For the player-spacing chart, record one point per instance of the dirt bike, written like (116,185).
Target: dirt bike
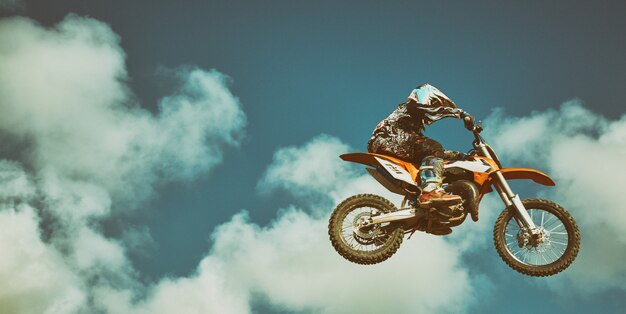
(536,237)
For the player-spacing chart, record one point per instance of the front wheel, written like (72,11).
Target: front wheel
(364,245)
(550,252)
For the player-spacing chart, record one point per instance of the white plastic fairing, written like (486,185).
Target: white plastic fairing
(396,171)
(473,166)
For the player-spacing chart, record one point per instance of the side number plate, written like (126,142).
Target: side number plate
(396,171)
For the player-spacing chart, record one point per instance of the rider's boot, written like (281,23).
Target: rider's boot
(439,197)
(431,175)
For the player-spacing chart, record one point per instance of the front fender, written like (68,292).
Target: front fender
(518,173)
(527,173)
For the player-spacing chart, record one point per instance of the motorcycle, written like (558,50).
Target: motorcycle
(535,237)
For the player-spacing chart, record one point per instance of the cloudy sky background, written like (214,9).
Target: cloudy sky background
(168,157)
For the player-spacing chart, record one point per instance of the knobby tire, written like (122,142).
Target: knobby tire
(385,251)
(571,251)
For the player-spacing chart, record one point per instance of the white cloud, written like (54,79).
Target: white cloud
(201,111)
(295,266)
(312,167)
(34,277)
(585,153)
(314,172)
(291,263)
(14,183)
(63,95)
(87,146)
(64,91)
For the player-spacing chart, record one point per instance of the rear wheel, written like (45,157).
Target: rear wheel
(370,245)
(547,254)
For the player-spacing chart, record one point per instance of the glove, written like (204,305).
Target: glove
(454,155)
(463,156)
(468,119)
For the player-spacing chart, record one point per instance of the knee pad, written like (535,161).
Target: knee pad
(431,170)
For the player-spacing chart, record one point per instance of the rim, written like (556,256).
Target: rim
(554,244)
(363,241)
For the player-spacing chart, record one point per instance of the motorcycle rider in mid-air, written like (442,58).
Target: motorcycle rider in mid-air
(400,135)
(534,236)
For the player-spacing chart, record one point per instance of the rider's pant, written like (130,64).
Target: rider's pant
(415,149)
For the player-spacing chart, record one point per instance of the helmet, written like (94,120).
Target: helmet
(429,96)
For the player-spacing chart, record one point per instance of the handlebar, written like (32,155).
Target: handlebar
(469,124)
(474,128)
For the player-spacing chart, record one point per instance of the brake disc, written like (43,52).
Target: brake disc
(365,235)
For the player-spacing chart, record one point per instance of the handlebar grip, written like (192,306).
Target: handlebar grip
(469,123)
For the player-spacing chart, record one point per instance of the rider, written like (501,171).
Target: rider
(400,135)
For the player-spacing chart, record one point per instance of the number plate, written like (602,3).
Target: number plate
(396,171)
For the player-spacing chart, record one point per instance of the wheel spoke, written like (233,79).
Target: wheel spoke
(560,225)
(554,222)
(557,253)
(351,241)
(551,250)
(544,259)
(558,242)
(512,225)
(556,232)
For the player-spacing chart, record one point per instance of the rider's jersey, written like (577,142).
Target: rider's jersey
(397,133)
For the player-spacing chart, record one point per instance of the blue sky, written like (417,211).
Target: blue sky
(295,70)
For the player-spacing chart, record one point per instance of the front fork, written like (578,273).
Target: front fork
(512,201)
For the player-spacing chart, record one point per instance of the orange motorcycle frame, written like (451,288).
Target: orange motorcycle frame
(482,179)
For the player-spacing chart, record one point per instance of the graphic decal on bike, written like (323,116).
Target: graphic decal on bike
(474,166)
(396,171)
